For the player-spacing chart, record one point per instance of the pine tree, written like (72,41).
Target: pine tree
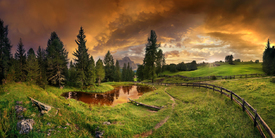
(159,62)
(139,73)
(41,59)
(100,73)
(91,72)
(5,51)
(82,59)
(109,67)
(20,56)
(124,73)
(151,56)
(32,67)
(117,72)
(57,59)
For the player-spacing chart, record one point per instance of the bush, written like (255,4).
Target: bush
(272,80)
(256,61)
(213,77)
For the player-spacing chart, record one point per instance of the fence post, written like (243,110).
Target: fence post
(255,119)
(243,105)
(213,87)
(231,95)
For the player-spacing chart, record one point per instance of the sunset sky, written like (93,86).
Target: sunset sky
(201,30)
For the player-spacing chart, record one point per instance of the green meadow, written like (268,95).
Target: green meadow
(224,69)
(196,113)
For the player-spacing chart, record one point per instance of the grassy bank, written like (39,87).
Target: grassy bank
(198,113)
(258,92)
(224,69)
(204,113)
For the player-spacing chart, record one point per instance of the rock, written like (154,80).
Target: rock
(25,126)
(19,109)
(19,102)
(98,134)
(106,123)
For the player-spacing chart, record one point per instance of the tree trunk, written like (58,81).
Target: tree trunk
(99,82)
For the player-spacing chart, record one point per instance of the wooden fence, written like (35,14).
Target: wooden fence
(221,77)
(252,113)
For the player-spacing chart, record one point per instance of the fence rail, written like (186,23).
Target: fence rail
(222,77)
(252,113)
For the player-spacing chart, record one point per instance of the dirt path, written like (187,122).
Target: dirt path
(162,122)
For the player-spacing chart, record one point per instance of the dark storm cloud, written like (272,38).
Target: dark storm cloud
(241,26)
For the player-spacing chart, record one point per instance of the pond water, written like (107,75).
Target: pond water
(111,98)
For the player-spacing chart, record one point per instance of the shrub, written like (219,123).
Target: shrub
(272,80)
(213,77)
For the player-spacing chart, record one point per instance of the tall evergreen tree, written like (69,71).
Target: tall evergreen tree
(91,72)
(5,51)
(109,67)
(57,59)
(139,73)
(151,56)
(20,56)
(268,59)
(117,72)
(32,67)
(159,62)
(82,60)
(41,59)
(100,73)
(72,75)
(124,73)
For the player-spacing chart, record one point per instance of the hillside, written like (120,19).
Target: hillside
(195,112)
(224,69)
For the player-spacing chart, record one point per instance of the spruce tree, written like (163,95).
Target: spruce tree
(124,73)
(151,56)
(82,60)
(159,62)
(57,59)
(109,67)
(41,59)
(100,73)
(20,56)
(32,67)
(91,72)
(5,51)
(72,75)
(139,73)
(117,72)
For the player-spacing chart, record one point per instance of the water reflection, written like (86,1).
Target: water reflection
(111,98)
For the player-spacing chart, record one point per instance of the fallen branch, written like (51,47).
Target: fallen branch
(43,107)
(150,106)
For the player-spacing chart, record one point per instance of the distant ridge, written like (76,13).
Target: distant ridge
(127,60)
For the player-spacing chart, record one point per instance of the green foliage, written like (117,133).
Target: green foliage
(83,64)
(109,67)
(173,68)
(117,72)
(257,61)
(159,61)
(100,73)
(229,59)
(150,57)
(140,76)
(20,56)
(5,51)
(268,60)
(32,67)
(41,59)
(181,67)
(127,73)
(56,60)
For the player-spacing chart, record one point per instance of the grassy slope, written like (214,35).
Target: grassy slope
(258,92)
(203,113)
(223,70)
